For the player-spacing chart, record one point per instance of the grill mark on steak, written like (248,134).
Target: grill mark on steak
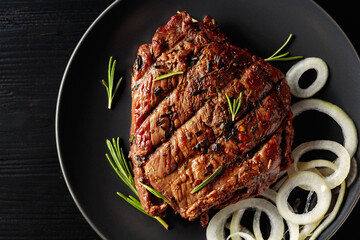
(182,126)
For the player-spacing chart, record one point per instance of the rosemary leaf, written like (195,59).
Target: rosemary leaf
(282,47)
(276,57)
(162,222)
(286,59)
(105,84)
(238,104)
(229,102)
(206,181)
(116,88)
(136,204)
(167,75)
(154,192)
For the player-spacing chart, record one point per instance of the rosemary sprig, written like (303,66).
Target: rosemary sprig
(234,106)
(167,75)
(110,85)
(282,57)
(124,171)
(154,192)
(206,181)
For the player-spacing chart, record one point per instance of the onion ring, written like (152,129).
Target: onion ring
(298,69)
(317,184)
(345,122)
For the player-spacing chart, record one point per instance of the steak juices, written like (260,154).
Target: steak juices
(182,129)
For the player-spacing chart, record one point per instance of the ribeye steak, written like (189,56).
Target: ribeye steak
(182,127)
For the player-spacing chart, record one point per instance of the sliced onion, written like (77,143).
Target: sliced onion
(317,184)
(345,122)
(333,213)
(297,70)
(215,229)
(341,169)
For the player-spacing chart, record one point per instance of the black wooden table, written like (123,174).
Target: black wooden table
(36,40)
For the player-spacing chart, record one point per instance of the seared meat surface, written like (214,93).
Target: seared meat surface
(182,129)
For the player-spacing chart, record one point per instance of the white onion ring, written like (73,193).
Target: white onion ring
(342,162)
(215,229)
(298,69)
(317,184)
(345,122)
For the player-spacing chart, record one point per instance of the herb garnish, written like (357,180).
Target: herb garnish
(206,181)
(282,57)
(110,85)
(124,171)
(234,106)
(154,192)
(167,75)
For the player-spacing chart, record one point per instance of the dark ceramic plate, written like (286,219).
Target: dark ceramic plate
(83,121)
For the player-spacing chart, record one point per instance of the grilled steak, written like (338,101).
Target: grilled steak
(182,128)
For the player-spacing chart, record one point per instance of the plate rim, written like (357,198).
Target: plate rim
(58,103)
(60,96)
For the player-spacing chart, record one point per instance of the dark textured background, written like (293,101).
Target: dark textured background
(36,40)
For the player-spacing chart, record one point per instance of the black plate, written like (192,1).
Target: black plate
(83,121)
